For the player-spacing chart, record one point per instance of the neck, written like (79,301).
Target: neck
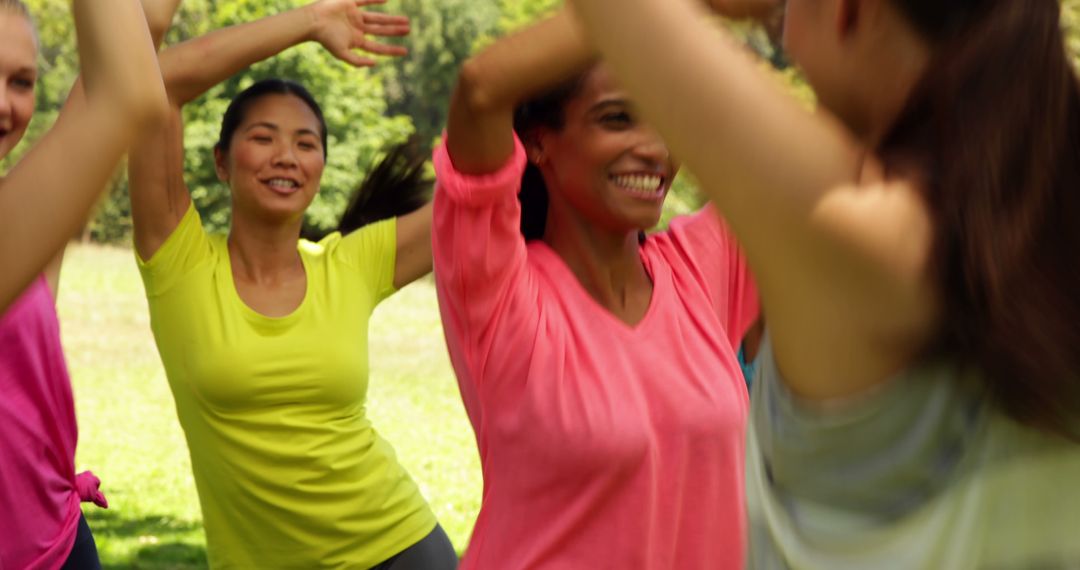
(264,252)
(900,67)
(607,264)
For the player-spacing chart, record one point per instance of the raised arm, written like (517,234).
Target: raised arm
(480,131)
(159,16)
(47,195)
(839,254)
(480,126)
(159,196)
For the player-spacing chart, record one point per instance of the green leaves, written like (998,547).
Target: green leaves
(366,110)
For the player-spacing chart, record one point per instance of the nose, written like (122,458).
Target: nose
(652,148)
(285,156)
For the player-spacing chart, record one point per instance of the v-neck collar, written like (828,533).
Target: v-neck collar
(657,272)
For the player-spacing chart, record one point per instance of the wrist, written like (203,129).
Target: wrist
(312,20)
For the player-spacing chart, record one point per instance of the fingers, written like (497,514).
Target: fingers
(386,31)
(354,59)
(383,49)
(384,19)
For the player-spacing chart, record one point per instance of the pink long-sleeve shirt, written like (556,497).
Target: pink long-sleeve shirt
(602,445)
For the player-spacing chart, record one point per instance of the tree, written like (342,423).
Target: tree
(353,102)
(443,35)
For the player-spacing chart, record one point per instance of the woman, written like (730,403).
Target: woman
(915,243)
(597,364)
(263,335)
(42,525)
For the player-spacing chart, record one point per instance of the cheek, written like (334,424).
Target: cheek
(798,24)
(23,110)
(314,166)
(247,158)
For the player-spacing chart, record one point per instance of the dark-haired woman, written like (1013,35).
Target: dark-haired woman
(916,243)
(264,336)
(597,364)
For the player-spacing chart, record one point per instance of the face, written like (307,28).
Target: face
(828,40)
(18,76)
(275,159)
(605,165)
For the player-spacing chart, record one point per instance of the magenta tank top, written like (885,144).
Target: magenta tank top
(40,502)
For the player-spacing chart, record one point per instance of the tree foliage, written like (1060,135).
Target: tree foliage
(366,110)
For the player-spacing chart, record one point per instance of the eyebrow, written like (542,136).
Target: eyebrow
(274,127)
(605,103)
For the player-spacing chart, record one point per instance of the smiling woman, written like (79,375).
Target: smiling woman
(263,335)
(598,368)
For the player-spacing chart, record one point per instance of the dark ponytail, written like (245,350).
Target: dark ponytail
(543,111)
(995,124)
(397,185)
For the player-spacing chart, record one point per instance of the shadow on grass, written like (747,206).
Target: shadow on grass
(160,541)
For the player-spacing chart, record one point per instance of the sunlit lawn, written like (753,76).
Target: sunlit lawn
(129,435)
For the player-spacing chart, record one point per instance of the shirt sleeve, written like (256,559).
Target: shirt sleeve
(372,250)
(186,248)
(487,295)
(710,250)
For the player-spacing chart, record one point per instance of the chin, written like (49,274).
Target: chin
(280,214)
(644,224)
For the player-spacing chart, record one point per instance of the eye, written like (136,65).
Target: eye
(23,83)
(305,145)
(617,120)
(262,139)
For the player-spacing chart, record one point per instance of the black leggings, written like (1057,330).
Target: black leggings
(433,552)
(84,554)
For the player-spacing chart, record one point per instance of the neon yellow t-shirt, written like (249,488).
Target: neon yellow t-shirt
(289,470)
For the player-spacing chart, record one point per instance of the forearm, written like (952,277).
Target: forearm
(720,113)
(45,198)
(159,16)
(193,67)
(119,68)
(492,83)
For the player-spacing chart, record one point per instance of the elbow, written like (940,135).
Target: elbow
(150,103)
(472,93)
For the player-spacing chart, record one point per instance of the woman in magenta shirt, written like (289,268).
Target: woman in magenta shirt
(41,524)
(597,365)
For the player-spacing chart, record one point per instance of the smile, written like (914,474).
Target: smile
(282,185)
(645,186)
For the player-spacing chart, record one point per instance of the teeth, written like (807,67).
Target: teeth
(640,183)
(282,183)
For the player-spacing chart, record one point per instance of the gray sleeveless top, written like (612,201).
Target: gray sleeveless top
(923,473)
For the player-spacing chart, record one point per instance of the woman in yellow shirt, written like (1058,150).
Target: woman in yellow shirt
(263,336)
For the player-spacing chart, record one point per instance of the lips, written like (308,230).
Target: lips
(282,185)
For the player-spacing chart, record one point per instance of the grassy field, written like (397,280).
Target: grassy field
(129,435)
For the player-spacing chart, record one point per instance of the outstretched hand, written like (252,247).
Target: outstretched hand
(343,28)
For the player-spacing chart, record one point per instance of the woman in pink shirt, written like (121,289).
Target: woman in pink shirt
(41,524)
(597,365)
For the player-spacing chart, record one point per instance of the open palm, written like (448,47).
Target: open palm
(343,28)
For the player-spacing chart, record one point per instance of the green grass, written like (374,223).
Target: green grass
(129,435)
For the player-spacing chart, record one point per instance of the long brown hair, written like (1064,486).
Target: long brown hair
(995,124)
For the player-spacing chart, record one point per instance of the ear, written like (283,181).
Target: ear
(221,165)
(534,147)
(848,17)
